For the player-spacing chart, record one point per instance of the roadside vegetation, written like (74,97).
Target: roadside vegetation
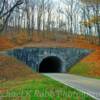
(39,88)
(19,82)
(89,66)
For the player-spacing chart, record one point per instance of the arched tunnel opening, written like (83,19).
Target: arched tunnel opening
(51,64)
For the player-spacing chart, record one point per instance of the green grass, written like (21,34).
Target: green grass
(83,69)
(80,69)
(39,89)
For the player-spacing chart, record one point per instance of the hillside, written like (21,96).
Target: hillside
(6,43)
(89,66)
(11,68)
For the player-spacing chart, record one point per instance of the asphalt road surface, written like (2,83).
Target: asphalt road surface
(87,85)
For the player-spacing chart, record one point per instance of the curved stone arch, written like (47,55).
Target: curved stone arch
(52,55)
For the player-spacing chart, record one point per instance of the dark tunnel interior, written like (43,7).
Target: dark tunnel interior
(50,64)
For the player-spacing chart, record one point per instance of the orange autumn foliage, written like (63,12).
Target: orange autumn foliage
(22,38)
(93,20)
(11,68)
(6,43)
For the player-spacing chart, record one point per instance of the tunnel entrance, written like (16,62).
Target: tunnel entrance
(50,64)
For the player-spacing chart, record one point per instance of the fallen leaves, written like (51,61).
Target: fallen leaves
(5,43)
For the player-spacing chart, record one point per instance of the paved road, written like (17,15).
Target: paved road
(87,85)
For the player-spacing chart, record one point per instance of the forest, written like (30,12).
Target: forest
(24,20)
(55,36)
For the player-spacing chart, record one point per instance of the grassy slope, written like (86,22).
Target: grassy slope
(11,68)
(89,66)
(42,88)
(18,82)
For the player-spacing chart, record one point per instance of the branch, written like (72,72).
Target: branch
(8,13)
(2,7)
(19,2)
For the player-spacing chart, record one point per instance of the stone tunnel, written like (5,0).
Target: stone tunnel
(53,60)
(51,64)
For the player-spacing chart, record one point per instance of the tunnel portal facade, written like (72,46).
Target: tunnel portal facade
(49,59)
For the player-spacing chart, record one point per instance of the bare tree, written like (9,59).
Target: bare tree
(95,5)
(5,14)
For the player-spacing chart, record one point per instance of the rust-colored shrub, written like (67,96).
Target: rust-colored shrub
(5,43)
(22,38)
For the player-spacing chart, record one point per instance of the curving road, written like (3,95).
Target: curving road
(87,85)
